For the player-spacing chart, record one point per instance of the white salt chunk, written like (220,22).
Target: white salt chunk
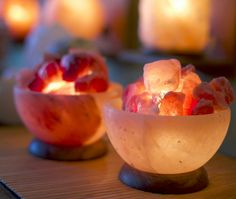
(162,76)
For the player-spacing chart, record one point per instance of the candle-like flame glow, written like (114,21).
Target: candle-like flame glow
(17,13)
(60,87)
(179,6)
(20,16)
(180,9)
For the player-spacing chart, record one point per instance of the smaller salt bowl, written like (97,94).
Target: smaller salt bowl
(60,102)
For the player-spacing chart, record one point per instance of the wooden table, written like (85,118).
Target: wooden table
(35,178)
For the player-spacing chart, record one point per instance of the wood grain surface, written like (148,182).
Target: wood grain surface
(35,178)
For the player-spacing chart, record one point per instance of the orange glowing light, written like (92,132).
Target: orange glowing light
(20,16)
(179,6)
(175,25)
(81,18)
(60,87)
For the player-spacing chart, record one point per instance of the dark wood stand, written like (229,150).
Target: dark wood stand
(164,183)
(53,152)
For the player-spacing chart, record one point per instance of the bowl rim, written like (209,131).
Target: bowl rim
(109,106)
(112,84)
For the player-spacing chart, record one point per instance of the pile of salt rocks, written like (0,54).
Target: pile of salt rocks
(166,88)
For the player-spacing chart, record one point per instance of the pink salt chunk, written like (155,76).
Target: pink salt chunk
(204,91)
(162,76)
(50,71)
(72,66)
(131,90)
(224,91)
(37,84)
(95,62)
(203,106)
(172,104)
(188,69)
(189,81)
(188,103)
(92,83)
(141,103)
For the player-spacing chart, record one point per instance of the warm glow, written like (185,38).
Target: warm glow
(74,5)
(166,88)
(81,18)
(179,5)
(60,87)
(146,142)
(175,25)
(64,120)
(17,13)
(20,16)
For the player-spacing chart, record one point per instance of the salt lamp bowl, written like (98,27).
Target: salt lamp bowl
(165,144)
(64,120)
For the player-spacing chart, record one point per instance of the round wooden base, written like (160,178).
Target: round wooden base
(164,183)
(49,151)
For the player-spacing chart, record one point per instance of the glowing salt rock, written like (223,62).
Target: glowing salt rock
(204,91)
(162,76)
(172,104)
(189,81)
(164,144)
(60,87)
(203,107)
(133,89)
(142,103)
(64,120)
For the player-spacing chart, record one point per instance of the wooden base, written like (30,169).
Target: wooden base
(49,151)
(164,183)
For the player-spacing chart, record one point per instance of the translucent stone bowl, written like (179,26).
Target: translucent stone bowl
(64,120)
(165,144)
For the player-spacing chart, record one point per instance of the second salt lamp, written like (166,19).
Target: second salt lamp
(60,102)
(180,26)
(83,19)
